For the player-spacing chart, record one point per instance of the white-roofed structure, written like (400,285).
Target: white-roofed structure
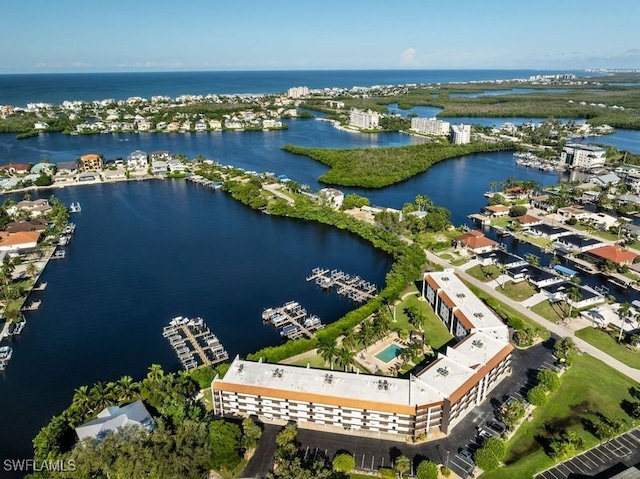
(436,398)
(112,418)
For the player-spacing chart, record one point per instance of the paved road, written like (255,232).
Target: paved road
(262,460)
(557,329)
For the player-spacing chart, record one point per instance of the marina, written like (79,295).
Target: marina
(353,287)
(193,342)
(292,320)
(216,185)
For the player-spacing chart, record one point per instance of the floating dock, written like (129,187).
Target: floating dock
(215,185)
(293,320)
(194,344)
(353,287)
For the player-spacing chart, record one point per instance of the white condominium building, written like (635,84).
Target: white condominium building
(583,156)
(366,120)
(460,134)
(297,92)
(435,399)
(430,126)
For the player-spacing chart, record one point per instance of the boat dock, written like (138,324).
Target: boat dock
(34,305)
(292,320)
(353,287)
(194,344)
(216,185)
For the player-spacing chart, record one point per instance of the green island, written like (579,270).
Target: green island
(380,167)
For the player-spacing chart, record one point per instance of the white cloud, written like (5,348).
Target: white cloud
(408,57)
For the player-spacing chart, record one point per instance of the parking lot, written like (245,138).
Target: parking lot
(622,449)
(371,454)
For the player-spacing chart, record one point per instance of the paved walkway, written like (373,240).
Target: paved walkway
(275,189)
(560,330)
(533,300)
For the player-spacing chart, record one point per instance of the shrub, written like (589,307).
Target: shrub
(344,463)
(427,470)
(387,473)
(488,457)
(517,210)
(537,395)
(445,471)
(548,379)
(572,221)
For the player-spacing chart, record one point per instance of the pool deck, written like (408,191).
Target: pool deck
(367,357)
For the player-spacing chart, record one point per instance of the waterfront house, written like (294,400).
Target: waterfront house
(113,418)
(19,241)
(496,211)
(604,180)
(161,155)
(614,253)
(542,203)
(576,242)
(114,175)
(67,168)
(215,125)
(559,291)
(474,242)
(35,208)
(550,232)
(526,221)
(159,167)
(15,168)
(500,257)
(535,275)
(137,159)
(176,166)
(90,162)
(332,196)
(43,167)
(35,224)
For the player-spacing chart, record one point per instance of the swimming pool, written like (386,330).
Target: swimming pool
(389,353)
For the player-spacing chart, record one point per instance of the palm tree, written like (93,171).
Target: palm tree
(155,373)
(573,296)
(623,314)
(31,269)
(345,357)
(81,399)
(328,349)
(351,340)
(125,388)
(402,465)
(366,333)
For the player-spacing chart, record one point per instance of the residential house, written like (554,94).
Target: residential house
(604,180)
(137,159)
(159,167)
(576,242)
(115,417)
(614,253)
(90,162)
(547,231)
(87,176)
(332,196)
(15,168)
(176,166)
(500,257)
(19,241)
(67,167)
(526,221)
(35,208)
(541,202)
(496,211)
(43,167)
(474,242)
(560,292)
(35,224)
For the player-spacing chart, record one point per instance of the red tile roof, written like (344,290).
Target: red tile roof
(475,239)
(614,253)
(527,219)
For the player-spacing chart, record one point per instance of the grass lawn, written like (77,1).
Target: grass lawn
(596,232)
(446,256)
(484,273)
(501,222)
(436,334)
(605,342)
(517,291)
(459,261)
(554,312)
(316,362)
(564,411)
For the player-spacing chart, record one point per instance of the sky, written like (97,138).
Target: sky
(40,36)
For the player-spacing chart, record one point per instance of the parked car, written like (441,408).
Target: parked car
(496,426)
(484,434)
(465,454)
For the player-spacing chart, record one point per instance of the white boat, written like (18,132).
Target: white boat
(75,207)
(5,353)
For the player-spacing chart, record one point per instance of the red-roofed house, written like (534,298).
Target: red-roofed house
(19,241)
(496,211)
(15,168)
(90,162)
(613,253)
(475,242)
(528,220)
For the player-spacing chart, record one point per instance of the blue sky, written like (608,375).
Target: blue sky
(136,35)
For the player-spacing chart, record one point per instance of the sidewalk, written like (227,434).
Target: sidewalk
(562,331)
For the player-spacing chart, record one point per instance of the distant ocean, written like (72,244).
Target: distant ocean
(20,89)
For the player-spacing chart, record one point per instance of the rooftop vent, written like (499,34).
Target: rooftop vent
(383,384)
(241,368)
(460,295)
(328,378)
(443,372)
(477,343)
(478,315)
(277,373)
(445,278)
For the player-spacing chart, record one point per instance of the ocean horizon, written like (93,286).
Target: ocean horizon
(18,89)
